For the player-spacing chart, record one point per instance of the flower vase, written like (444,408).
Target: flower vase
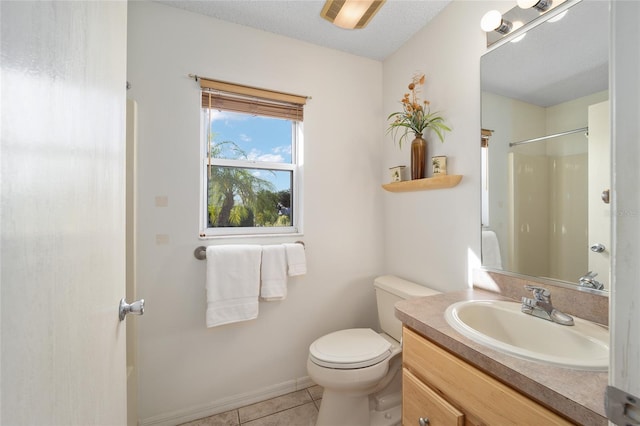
(418,156)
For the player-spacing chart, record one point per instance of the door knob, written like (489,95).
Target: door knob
(597,248)
(136,308)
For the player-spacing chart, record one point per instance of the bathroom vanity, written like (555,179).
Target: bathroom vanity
(451,380)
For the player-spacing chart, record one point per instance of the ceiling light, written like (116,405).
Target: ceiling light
(350,14)
(540,5)
(492,21)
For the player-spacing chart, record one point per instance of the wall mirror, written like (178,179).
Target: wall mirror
(546,149)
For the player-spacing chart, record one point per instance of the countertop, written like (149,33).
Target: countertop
(576,394)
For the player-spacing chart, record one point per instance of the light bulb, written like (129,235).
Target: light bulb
(526,4)
(540,5)
(491,20)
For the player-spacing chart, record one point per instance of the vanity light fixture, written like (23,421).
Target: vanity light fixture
(513,24)
(541,5)
(350,14)
(493,21)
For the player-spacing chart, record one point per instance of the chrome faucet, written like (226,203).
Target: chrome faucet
(540,306)
(588,280)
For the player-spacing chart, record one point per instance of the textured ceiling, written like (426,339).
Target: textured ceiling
(395,23)
(555,62)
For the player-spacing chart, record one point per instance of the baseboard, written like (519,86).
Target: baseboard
(226,404)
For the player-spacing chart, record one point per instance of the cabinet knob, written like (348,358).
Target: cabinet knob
(423,421)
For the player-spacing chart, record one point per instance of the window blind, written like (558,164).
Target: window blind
(251,100)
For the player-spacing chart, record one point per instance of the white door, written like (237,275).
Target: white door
(625,295)
(132,294)
(599,181)
(63,212)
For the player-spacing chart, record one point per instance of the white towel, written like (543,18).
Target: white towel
(233,283)
(273,273)
(296,260)
(491,250)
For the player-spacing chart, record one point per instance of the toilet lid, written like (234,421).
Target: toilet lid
(352,348)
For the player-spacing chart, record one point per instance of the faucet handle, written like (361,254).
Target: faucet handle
(588,280)
(541,294)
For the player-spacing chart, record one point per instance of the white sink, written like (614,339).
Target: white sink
(502,326)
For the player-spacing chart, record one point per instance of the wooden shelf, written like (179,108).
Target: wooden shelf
(438,182)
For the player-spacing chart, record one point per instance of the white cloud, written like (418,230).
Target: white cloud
(226,116)
(257,155)
(285,149)
(273,158)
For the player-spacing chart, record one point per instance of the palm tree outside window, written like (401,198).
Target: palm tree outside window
(250,167)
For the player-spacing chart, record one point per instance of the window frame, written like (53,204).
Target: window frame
(296,193)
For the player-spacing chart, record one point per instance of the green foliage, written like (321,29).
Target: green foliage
(213,213)
(266,208)
(236,197)
(283,221)
(238,214)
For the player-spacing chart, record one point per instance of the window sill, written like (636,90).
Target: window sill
(284,236)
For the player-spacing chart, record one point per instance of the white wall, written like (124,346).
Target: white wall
(187,370)
(432,237)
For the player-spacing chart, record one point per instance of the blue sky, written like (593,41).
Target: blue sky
(261,138)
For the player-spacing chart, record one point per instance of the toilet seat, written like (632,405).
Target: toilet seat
(350,349)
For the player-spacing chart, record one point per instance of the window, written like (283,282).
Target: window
(250,169)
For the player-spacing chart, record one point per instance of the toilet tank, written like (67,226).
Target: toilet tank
(389,290)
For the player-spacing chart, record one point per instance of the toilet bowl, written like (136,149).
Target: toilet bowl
(359,368)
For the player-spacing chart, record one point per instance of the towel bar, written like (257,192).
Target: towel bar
(200,253)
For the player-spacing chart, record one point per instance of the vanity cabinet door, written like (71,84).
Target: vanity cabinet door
(421,402)
(479,395)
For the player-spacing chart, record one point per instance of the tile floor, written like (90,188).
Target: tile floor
(298,408)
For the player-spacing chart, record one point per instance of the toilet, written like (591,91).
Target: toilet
(359,368)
